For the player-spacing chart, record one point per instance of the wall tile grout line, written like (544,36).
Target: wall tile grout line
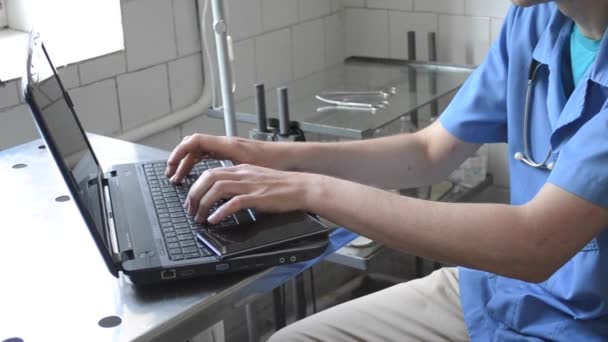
(168,75)
(281,28)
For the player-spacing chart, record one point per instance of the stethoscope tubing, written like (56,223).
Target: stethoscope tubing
(526,157)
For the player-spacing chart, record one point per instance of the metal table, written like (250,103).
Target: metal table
(55,286)
(417,84)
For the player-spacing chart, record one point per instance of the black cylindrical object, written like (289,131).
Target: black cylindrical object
(433,90)
(433,76)
(412,77)
(411,45)
(412,80)
(260,101)
(432,47)
(283,99)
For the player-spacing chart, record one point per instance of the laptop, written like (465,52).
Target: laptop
(136,216)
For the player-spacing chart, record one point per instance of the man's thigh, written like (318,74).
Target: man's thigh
(426,309)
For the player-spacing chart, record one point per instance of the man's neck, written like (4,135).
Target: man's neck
(591,16)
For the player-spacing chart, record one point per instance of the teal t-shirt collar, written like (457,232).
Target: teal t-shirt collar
(587,43)
(559,28)
(583,53)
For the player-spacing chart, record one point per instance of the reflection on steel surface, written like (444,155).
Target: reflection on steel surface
(417,86)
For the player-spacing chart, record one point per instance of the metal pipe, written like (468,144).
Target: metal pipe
(433,76)
(260,101)
(278,301)
(412,75)
(283,99)
(196,109)
(252,328)
(221,42)
(411,45)
(432,47)
(299,296)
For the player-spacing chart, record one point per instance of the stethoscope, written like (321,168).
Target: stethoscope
(525,156)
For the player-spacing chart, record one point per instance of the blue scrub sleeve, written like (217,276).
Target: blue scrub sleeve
(582,164)
(478,113)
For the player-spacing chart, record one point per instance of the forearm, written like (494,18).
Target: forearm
(492,237)
(402,161)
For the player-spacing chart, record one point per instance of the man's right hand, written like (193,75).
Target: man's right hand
(197,147)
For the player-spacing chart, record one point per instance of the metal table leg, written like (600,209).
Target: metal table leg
(252,329)
(299,296)
(278,300)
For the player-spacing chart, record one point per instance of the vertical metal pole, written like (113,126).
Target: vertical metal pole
(251,323)
(313,291)
(411,45)
(432,75)
(283,99)
(220,27)
(299,296)
(412,77)
(413,88)
(260,100)
(432,47)
(278,300)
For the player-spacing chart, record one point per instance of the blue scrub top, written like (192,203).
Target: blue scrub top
(572,305)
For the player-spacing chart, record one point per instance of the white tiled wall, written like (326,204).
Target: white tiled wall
(185,82)
(307,60)
(160,70)
(103,67)
(464,28)
(149,31)
(144,95)
(97,106)
(279,13)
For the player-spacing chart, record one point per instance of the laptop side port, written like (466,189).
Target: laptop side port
(187,273)
(168,274)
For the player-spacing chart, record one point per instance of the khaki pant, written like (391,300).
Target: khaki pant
(426,309)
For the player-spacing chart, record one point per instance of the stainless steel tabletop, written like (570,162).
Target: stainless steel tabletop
(416,84)
(55,286)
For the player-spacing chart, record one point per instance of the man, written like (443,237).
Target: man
(533,270)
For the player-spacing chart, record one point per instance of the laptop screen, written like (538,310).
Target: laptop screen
(57,121)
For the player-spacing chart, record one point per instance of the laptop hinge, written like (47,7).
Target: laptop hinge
(117,257)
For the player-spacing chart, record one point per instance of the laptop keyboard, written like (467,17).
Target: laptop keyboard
(178,228)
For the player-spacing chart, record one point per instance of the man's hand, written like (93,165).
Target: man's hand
(247,186)
(200,146)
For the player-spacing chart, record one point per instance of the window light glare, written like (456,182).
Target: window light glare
(76,30)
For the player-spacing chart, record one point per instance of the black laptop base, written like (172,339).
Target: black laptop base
(299,251)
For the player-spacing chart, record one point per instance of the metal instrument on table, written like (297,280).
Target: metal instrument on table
(367,100)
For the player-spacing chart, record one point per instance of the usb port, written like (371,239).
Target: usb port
(167,274)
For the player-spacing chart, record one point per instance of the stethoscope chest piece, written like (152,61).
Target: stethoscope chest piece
(545,165)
